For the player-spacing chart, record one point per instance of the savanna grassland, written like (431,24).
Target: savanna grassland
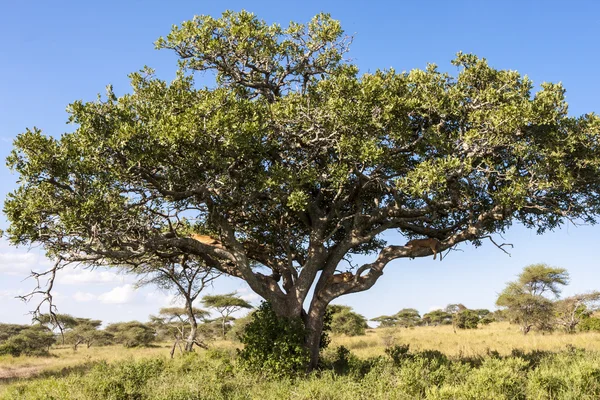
(492,362)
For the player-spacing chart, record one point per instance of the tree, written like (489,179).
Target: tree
(131,334)
(85,330)
(572,310)
(466,319)
(437,317)
(225,304)
(346,322)
(408,317)
(524,299)
(293,161)
(386,321)
(175,320)
(188,276)
(57,322)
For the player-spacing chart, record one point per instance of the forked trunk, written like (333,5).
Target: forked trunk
(191,339)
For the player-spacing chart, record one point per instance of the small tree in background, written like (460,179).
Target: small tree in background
(572,310)
(386,321)
(175,320)
(347,322)
(131,334)
(225,304)
(525,301)
(408,317)
(466,319)
(437,317)
(86,331)
(57,322)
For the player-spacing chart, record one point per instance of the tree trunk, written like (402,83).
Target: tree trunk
(313,322)
(191,339)
(223,326)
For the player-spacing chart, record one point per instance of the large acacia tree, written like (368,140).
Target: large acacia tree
(294,161)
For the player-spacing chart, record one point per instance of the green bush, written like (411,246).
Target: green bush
(466,319)
(273,344)
(344,321)
(589,324)
(33,341)
(131,334)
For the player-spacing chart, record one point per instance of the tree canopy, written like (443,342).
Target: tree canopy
(293,161)
(525,301)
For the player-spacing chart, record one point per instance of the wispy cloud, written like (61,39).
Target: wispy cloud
(83,297)
(81,276)
(119,295)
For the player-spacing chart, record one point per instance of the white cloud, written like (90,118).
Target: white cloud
(85,276)
(83,297)
(13,263)
(163,299)
(119,295)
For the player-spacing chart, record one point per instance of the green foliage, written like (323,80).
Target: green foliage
(238,328)
(131,334)
(225,304)
(397,352)
(273,344)
(408,317)
(437,317)
(524,300)
(346,322)
(466,319)
(590,324)
(8,330)
(33,341)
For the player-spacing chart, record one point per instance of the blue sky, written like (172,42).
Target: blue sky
(53,53)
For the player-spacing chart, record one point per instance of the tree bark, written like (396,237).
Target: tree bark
(313,322)
(191,339)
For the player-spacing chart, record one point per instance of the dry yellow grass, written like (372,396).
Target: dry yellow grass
(501,337)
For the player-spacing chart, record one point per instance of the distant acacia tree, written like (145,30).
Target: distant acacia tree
(131,334)
(293,160)
(385,320)
(176,320)
(188,277)
(86,332)
(525,299)
(572,310)
(407,317)
(437,317)
(466,319)
(347,322)
(225,304)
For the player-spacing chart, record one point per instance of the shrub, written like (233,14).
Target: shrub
(33,341)
(131,334)
(466,319)
(346,322)
(274,344)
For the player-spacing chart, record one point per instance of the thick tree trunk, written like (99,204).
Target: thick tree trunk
(314,330)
